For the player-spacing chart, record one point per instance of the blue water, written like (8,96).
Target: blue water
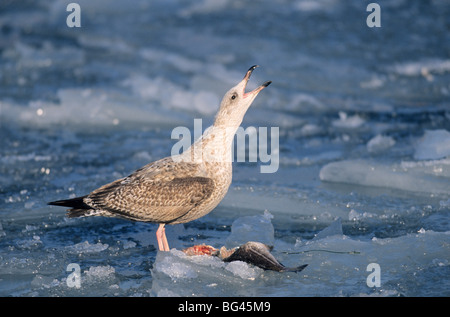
(364,158)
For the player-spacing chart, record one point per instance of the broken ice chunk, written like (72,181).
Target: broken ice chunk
(435,144)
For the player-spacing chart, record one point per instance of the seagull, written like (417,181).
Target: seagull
(179,188)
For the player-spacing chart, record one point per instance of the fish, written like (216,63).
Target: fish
(201,250)
(255,253)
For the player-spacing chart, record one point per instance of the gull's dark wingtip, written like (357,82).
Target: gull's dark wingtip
(77,203)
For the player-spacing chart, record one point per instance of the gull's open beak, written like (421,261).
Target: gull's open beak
(247,77)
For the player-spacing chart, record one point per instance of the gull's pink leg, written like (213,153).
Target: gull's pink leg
(161,237)
(165,243)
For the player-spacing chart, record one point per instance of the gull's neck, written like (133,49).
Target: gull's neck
(214,146)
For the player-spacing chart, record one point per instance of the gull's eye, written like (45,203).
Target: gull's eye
(234,96)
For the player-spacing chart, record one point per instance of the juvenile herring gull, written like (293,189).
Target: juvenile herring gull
(179,188)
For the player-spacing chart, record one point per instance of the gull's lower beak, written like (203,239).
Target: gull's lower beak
(247,77)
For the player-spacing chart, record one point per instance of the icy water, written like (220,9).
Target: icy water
(362,192)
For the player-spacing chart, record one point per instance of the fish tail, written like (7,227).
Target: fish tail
(294,269)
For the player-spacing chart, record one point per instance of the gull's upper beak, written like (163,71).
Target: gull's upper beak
(258,89)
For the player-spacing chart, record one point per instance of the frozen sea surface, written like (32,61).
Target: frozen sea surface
(364,158)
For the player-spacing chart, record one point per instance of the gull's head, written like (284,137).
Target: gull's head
(236,101)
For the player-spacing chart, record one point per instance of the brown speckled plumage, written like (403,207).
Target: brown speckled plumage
(162,192)
(179,188)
